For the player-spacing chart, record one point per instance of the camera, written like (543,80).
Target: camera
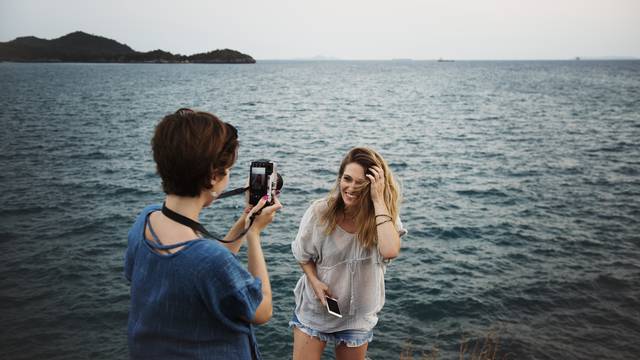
(263,180)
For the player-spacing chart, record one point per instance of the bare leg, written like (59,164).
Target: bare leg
(306,347)
(343,352)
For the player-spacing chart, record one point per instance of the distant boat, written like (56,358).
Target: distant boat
(577,58)
(445,60)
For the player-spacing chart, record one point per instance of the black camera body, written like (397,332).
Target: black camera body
(263,180)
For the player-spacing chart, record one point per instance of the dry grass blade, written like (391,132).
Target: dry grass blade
(483,349)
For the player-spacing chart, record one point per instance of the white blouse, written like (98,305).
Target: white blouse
(354,275)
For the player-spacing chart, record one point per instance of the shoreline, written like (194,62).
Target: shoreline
(54,61)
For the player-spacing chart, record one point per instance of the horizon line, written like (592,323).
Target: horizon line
(579,58)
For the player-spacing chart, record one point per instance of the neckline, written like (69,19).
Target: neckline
(345,231)
(152,246)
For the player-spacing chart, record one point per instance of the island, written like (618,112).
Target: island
(82,47)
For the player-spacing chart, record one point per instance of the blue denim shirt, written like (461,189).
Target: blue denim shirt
(189,304)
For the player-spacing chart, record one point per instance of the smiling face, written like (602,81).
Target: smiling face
(351,183)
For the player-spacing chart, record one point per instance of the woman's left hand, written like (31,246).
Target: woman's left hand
(376,178)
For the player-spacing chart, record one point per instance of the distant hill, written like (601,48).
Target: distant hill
(317,58)
(606,58)
(82,47)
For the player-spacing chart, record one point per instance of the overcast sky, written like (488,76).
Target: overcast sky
(346,29)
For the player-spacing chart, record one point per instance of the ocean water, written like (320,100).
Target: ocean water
(521,184)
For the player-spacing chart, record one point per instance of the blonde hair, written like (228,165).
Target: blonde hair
(365,213)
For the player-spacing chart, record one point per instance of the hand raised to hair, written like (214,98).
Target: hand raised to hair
(376,178)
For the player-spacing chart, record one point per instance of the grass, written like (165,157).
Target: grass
(482,349)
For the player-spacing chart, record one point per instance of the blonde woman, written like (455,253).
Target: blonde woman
(343,245)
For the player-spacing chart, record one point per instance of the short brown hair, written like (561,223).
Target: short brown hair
(190,148)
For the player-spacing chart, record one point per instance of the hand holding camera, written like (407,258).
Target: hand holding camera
(262,214)
(264,185)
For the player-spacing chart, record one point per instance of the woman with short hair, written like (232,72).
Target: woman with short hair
(190,296)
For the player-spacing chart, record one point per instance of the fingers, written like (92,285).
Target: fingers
(371,178)
(273,208)
(324,291)
(263,215)
(377,172)
(328,293)
(266,209)
(375,176)
(257,207)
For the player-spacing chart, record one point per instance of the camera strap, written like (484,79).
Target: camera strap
(237,191)
(197,227)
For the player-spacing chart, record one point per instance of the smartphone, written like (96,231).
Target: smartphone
(332,307)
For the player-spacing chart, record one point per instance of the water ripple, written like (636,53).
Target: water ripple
(520,180)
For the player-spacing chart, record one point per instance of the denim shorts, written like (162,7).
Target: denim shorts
(351,338)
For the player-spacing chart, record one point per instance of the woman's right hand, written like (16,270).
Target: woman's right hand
(265,217)
(321,290)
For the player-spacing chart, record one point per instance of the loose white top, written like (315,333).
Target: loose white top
(354,275)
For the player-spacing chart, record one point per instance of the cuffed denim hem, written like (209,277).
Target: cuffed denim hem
(351,338)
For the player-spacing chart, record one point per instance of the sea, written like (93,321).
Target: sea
(520,184)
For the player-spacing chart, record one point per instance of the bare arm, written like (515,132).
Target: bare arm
(239,226)
(257,266)
(388,237)
(236,229)
(319,288)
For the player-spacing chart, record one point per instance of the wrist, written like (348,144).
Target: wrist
(242,219)
(380,207)
(253,235)
(313,279)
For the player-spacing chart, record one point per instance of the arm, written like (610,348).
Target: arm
(319,288)
(237,228)
(388,238)
(305,252)
(257,266)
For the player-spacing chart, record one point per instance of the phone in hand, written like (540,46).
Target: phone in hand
(332,306)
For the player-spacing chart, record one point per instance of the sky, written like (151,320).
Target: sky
(345,29)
